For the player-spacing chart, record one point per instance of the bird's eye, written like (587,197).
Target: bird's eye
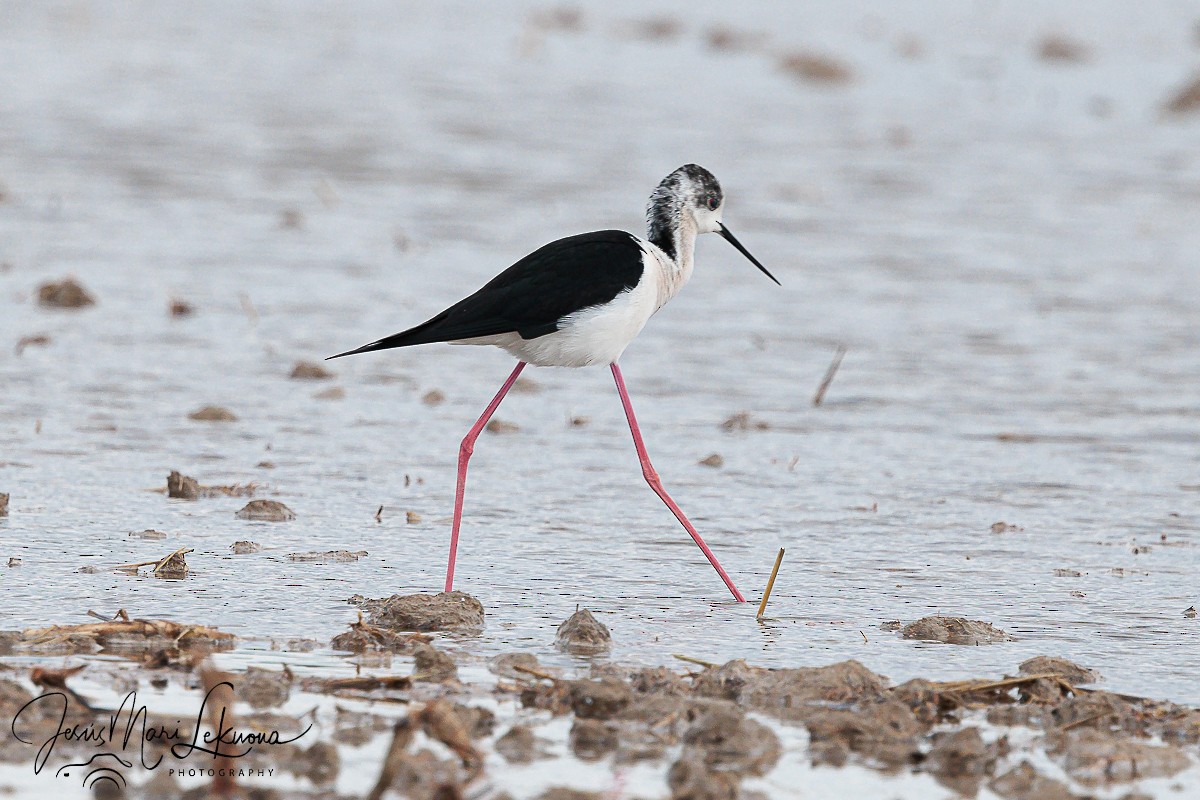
(712,202)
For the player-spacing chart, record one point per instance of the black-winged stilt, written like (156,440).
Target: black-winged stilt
(579,302)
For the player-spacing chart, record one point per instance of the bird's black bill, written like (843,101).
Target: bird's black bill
(729,237)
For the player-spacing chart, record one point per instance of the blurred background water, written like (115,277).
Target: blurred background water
(991,208)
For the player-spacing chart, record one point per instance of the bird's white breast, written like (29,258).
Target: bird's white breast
(598,335)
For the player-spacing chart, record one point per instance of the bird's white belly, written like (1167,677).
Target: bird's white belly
(594,336)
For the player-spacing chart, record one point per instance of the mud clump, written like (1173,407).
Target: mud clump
(149,533)
(445,611)
(1096,758)
(213,414)
(3,505)
(959,760)
(1069,671)
(364,636)
(431,664)
(66,293)
(332,393)
(245,547)
(1023,782)
(328,557)
(266,511)
(518,745)
(319,763)
(182,487)
(743,421)
(582,634)
(1186,100)
(815,68)
(1056,48)
(730,741)
(690,778)
(263,688)
(789,693)
(592,739)
(13,697)
(310,371)
(715,460)
(954,630)
(515,665)
(433,398)
(601,699)
(502,426)
(885,734)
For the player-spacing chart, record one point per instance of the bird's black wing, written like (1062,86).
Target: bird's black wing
(534,294)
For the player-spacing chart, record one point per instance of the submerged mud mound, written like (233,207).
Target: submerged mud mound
(954,630)
(582,634)
(445,611)
(266,511)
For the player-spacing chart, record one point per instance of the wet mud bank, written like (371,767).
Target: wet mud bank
(411,718)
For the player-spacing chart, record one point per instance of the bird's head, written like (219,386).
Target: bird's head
(694,193)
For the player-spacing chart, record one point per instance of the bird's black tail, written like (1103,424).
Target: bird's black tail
(424,333)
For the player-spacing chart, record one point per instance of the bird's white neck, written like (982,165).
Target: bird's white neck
(676,246)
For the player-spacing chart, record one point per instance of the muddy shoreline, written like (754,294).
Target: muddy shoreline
(437,726)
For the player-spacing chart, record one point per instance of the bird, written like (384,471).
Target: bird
(579,302)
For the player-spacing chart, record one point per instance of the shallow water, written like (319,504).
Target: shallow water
(1005,246)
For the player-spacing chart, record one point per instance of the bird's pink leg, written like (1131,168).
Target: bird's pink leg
(464,455)
(656,483)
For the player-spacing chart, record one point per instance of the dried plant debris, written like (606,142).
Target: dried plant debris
(121,634)
(310,371)
(582,633)
(213,414)
(172,565)
(66,293)
(954,630)
(266,511)
(245,547)
(328,557)
(423,612)
(3,504)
